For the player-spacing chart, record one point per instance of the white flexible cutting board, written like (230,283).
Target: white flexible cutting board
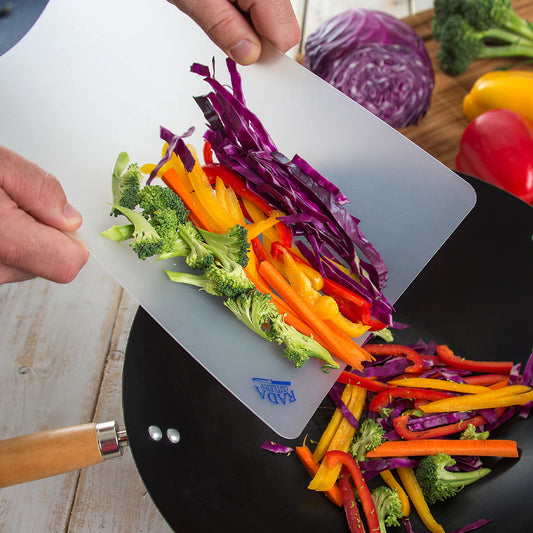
(91,79)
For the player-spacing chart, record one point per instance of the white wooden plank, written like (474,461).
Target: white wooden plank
(111,497)
(52,353)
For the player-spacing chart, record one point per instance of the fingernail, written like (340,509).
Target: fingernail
(244,52)
(71,214)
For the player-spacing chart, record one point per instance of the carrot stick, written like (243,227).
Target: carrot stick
(406,448)
(172,180)
(306,458)
(348,351)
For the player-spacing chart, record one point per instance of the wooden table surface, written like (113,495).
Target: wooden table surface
(62,346)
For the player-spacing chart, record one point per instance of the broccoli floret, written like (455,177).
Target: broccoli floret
(485,14)
(119,233)
(146,241)
(202,281)
(471,433)
(153,198)
(199,257)
(475,29)
(125,183)
(368,437)
(254,309)
(231,283)
(231,245)
(388,507)
(439,484)
(165,222)
(299,347)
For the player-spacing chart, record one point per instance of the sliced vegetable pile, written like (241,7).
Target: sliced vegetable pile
(268,235)
(377,60)
(413,427)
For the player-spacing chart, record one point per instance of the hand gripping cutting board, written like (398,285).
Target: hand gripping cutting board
(94,78)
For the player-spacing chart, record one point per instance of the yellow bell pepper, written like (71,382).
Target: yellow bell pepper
(510,89)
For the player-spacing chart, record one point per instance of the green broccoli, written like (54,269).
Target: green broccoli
(125,183)
(119,233)
(471,433)
(233,244)
(486,14)
(202,281)
(299,347)
(388,507)
(165,222)
(438,483)
(478,29)
(200,256)
(368,437)
(153,198)
(232,283)
(254,309)
(146,241)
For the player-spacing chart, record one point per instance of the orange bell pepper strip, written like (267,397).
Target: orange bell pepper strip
(438,384)
(410,483)
(306,458)
(327,474)
(388,477)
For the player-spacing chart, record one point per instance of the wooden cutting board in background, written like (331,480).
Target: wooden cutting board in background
(440,131)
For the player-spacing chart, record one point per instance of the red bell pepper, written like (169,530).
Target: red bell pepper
(369,384)
(349,502)
(351,305)
(398,349)
(335,456)
(497,147)
(383,398)
(455,361)
(400,425)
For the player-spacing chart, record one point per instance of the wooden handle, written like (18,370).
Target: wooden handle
(48,453)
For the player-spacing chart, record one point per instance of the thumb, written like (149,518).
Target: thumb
(226,26)
(36,192)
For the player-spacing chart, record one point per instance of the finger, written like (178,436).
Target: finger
(226,26)
(35,248)
(13,275)
(36,192)
(275,20)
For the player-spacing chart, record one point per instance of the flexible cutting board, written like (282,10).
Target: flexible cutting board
(92,79)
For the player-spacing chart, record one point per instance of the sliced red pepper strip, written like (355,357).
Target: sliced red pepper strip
(400,425)
(259,250)
(383,398)
(449,358)
(208,153)
(353,306)
(335,456)
(373,385)
(351,509)
(485,379)
(395,350)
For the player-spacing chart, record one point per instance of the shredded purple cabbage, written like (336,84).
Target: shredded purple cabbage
(314,207)
(275,447)
(377,60)
(176,145)
(335,394)
(473,526)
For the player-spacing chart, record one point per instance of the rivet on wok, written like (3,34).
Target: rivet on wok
(173,435)
(155,432)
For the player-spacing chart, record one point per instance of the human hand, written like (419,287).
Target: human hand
(35,218)
(235,25)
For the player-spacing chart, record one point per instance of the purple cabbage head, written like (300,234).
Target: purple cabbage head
(377,60)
